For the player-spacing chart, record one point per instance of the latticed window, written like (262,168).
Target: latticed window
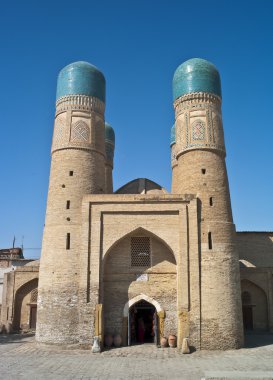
(33,296)
(140,251)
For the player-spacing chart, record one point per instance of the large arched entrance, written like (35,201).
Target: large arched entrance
(254,304)
(138,270)
(144,319)
(25,306)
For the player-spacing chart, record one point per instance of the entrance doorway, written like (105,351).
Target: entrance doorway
(142,323)
(33,317)
(247,317)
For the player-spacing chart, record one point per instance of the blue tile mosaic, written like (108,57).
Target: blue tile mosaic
(81,78)
(196,75)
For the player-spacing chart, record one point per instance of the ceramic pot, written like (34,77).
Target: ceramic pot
(172,341)
(108,340)
(163,342)
(117,340)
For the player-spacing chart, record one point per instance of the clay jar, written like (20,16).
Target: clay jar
(164,342)
(172,341)
(117,340)
(108,340)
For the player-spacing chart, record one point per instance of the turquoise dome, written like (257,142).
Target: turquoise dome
(173,135)
(81,78)
(196,75)
(109,141)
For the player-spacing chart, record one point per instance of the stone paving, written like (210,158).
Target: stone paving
(22,358)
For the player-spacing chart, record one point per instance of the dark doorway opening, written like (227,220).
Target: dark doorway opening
(33,316)
(247,317)
(142,326)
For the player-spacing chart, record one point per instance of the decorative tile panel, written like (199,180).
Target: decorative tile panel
(80,132)
(59,132)
(198,130)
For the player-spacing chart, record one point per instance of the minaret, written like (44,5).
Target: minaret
(201,170)
(109,150)
(77,168)
(173,157)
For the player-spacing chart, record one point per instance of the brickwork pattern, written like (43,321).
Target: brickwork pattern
(201,170)
(77,168)
(198,123)
(121,285)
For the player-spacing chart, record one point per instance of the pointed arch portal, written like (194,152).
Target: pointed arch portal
(130,289)
(254,306)
(143,316)
(136,299)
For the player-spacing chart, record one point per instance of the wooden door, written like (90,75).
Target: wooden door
(33,314)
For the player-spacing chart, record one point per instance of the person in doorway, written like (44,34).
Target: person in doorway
(141,330)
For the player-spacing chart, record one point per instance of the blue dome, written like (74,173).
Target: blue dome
(173,135)
(196,75)
(109,141)
(81,78)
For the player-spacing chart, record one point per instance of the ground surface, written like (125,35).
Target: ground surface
(21,358)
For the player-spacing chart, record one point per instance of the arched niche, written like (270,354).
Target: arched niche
(124,283)
(138,298)
(166,238)
(139,232)
(25,305)
(255,308)
(148,309)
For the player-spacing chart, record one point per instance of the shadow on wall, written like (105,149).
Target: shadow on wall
(255,249)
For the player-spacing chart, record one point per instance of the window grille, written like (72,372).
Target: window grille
(140,252)
(33,296)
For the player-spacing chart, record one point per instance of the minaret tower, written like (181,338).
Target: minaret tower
(173,157)
(77,168)
(109,150)
(201,170)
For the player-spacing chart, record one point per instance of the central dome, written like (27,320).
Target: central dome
(196,75)
(81,78)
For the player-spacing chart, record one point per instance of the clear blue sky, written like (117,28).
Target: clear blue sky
(137,45)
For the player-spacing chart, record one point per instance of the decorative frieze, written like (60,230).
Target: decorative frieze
(196,101)
(198,124)
(79,102)
(82,130)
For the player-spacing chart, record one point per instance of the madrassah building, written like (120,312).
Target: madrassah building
(140,263)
